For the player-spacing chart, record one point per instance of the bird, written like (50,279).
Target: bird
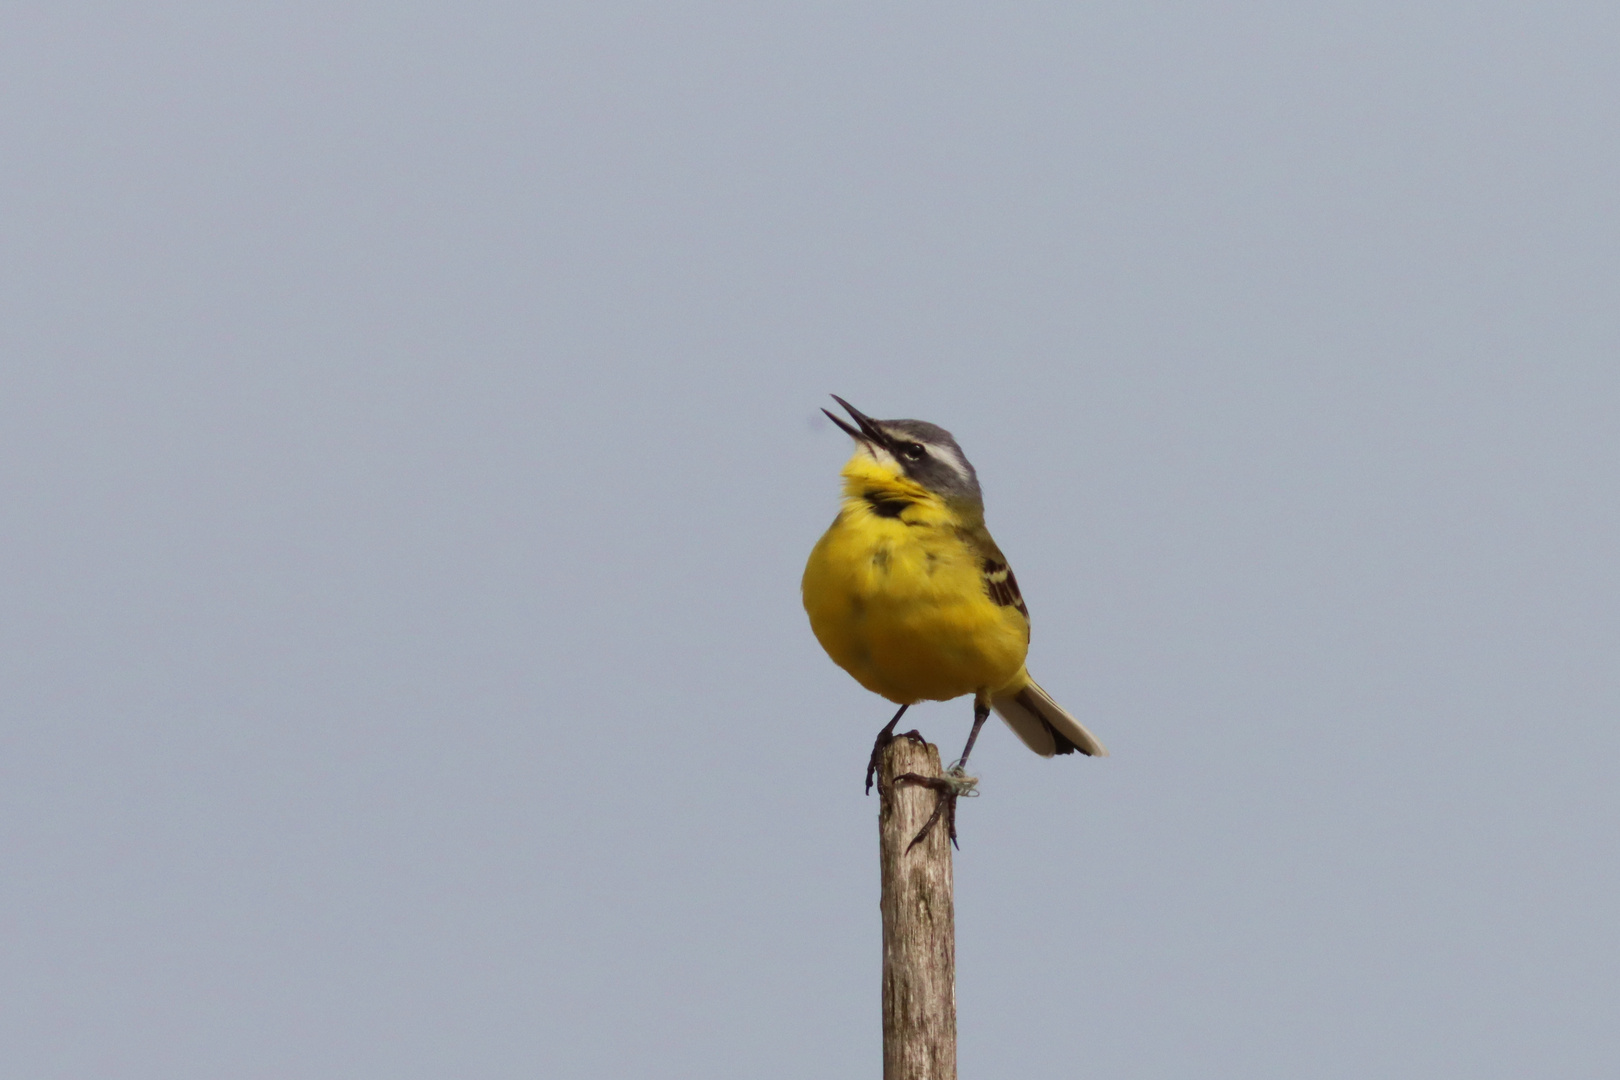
(908,592)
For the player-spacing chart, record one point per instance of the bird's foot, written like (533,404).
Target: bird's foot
(885,737)
(953,785)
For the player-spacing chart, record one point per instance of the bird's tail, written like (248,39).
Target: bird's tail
(1044,725)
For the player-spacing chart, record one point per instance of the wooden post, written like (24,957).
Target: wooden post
(919,922)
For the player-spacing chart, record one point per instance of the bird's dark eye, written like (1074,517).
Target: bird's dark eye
(912,451)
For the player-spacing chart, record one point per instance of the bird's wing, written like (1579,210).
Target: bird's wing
(999,582)
(1002,586)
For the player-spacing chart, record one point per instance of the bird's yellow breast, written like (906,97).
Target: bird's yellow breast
(896,595)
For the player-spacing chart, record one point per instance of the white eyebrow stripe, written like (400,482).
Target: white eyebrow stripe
(950,457)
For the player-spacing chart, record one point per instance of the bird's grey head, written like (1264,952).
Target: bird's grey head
(926,453)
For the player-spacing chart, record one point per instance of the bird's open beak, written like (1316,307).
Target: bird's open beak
(868,432)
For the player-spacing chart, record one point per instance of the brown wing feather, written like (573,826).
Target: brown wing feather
(999,583)
(1002,586)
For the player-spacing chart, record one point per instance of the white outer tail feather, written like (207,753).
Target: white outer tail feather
(1045,726)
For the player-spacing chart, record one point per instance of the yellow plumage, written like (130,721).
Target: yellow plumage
(899,601)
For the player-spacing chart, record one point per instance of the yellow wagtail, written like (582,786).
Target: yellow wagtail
(909,594)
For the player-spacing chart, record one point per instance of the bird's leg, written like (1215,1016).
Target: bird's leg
(981,713)
(955,783)
(884,738)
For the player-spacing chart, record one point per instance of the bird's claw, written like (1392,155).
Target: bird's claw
(950,787)
(874,764)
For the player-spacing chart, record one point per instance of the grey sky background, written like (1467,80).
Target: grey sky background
(409,446)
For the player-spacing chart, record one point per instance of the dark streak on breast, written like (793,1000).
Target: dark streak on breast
(884,505)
